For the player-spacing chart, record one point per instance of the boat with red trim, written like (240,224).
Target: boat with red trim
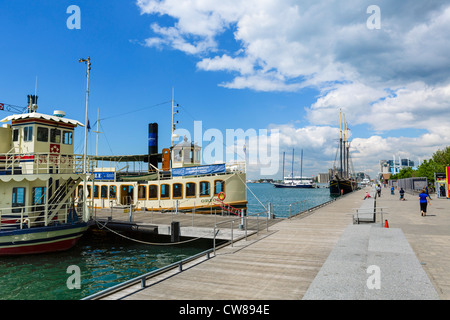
(39,173)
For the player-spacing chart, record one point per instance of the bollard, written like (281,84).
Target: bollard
(175,231)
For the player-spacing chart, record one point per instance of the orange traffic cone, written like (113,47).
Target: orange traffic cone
(386,224)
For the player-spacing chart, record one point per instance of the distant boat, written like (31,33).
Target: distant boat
(342,183)
(295,182)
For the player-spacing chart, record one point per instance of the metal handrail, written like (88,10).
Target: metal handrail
(143,278)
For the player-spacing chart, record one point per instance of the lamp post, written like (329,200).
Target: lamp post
(85,169)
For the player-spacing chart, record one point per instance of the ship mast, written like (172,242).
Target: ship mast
(173,136)
(340,142)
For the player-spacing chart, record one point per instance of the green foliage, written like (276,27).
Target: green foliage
(437,163)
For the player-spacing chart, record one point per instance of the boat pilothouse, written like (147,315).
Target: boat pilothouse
(174,179)
(38,176)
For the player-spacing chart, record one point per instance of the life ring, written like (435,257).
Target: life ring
(221,196)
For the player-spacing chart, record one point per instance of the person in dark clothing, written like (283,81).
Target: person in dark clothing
(402,194)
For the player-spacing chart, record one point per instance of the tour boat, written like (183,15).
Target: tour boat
(180,183)
(38,176)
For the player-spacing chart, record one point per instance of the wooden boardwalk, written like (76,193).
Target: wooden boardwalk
(279,264)
(283,262)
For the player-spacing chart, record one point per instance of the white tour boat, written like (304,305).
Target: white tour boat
(38,176)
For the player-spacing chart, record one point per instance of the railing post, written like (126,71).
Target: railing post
(232,226)
(214,239)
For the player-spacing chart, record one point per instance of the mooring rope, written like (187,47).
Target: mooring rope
(100,226)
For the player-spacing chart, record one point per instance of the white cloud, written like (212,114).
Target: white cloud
(392,78)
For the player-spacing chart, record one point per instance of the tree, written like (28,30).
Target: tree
(442,157)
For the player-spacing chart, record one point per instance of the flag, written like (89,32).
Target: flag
(2,106)
(89,126)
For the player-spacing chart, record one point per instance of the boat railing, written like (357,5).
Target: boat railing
(298,207)
(24,217)
(238,167)
(40,163)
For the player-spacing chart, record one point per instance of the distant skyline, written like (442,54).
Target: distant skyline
(284,66)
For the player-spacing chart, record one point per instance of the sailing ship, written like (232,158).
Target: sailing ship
(295,181)
(38,176)
(342,181)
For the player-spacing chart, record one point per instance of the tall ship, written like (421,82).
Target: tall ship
(39,173)
(295,181)
(342,181)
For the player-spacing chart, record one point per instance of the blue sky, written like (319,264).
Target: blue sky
(286,65)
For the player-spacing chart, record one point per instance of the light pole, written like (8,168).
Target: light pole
(85,169)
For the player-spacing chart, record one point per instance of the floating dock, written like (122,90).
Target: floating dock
(313,257)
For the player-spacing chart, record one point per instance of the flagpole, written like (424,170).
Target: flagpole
(85,169)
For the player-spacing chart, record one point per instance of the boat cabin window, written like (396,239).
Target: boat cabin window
(142,191)
(38,195)
(55,135)
(15,135)
(96,191)
(177,190)
(18,199)
(219,186)
(42,134)
(165,191)
(177,153)
(188,156)
(112,192)
(67,137)
(190,189)
(204,188)
(153,192)
(104,192)
(28,134)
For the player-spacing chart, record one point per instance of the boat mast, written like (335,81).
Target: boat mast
(344,147)
(292,173)
(301,168)
(340,142)
(173,136)
(85,169)
(283,165)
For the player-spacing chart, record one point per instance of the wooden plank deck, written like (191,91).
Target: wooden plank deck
(282,263)
(279,264)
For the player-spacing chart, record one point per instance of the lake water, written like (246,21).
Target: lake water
(106,259)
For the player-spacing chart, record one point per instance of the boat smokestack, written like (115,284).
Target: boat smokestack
(152,146)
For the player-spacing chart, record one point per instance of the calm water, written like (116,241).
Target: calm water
(105,259)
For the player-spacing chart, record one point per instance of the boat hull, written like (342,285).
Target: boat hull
(41,240)
(341,186)
(301,186)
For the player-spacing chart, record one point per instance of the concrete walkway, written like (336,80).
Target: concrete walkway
(428,236)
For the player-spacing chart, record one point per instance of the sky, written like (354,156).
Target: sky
(279,70)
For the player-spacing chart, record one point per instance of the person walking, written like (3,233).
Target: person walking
(423,200)
(402,194)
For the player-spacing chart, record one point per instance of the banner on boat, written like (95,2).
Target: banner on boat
(201,170)
(104,175)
